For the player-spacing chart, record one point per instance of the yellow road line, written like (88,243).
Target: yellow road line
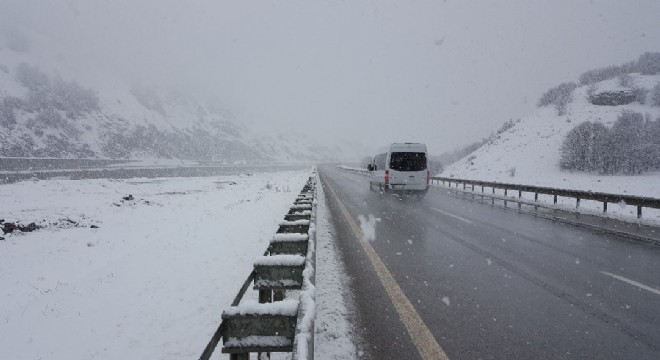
(424,341)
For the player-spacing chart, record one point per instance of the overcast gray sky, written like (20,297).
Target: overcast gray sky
(441,72)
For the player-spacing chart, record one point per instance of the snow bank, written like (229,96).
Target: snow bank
(301,207)
(280,260)
(305,327)
(334,337)
(290,237)
(303,213)
(288,307)
(294,223)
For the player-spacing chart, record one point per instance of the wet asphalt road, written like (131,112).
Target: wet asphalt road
(495,284)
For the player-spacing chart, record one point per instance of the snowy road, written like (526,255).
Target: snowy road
(490,283)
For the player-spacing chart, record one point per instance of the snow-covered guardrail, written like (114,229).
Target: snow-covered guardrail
(605,198)
(277,323)
(354,170)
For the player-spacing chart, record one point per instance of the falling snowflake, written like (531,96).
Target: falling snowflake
(445,300)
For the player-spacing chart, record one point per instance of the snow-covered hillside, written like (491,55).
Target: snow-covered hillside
(49,108)
(529,152)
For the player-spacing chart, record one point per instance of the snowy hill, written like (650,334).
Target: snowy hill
(529,152)
(49,108)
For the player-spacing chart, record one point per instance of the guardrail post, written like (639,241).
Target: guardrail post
(506,194)
(519,197)
(492,200)
(604,207)
(265,296)
(536,199)
(639,211)
(555,200)
(577,203)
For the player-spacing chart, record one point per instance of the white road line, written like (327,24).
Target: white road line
(452,215)
(632,282)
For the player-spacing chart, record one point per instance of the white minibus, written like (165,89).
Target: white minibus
(403,169)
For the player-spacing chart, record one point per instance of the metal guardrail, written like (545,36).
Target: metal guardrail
(606,198)
(638,201)
(354,170)
(289,263)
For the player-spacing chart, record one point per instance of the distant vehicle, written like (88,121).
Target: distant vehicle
(403,169)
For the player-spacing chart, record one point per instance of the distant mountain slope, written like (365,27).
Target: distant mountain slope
(43,114)
(529,152)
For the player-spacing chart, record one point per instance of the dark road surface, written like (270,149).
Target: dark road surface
(494,284)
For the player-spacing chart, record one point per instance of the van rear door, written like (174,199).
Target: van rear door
(408,168)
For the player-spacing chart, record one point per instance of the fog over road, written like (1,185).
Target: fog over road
(489,283)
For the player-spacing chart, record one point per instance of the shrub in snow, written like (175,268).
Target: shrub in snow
(583,147)
(7,107)
(631,146)
(648,64)
(627,143)
(598,75)
(559,96)
(655,95)
(626,80)
(591,90)
(507,125)
(640,94)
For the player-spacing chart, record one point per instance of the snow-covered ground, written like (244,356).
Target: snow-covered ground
(150,282)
